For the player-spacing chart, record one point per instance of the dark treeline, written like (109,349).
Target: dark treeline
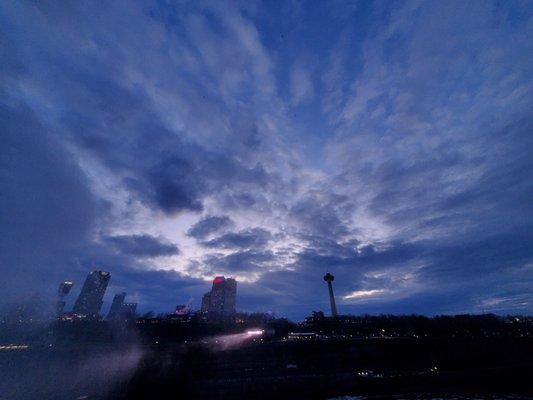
(176,328)
(485,325)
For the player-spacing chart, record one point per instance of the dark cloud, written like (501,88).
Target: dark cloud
(208,226)
(143,245)
(250,238)
(323,214)
(247,261)
(168,185)
(46,207)
(477,258)
(119,125)
(161,169)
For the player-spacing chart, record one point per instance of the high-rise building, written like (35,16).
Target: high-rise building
(128,310)
(119,309)
(60,306)
(64,288)
(91,296)
(62,291)
(116,305)
(222,297)
(206,300)
(230,296)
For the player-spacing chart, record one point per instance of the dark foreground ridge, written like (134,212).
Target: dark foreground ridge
(323,369)
(252,357)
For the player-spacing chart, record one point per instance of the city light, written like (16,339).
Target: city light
(14,347)
(255,332)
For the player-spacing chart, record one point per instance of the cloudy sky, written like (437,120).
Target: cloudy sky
(389,143)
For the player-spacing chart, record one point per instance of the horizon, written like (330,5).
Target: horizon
(48,308)
(388,143)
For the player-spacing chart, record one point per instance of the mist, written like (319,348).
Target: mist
(67,374)
(231,341)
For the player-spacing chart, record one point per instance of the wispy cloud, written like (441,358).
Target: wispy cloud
(362,294)
(302,88)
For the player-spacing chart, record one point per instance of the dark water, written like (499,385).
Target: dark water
(76,373)
(107,372)
(433,396)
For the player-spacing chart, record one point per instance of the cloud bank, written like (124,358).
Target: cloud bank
(171,143)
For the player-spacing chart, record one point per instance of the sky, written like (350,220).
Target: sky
(389,143)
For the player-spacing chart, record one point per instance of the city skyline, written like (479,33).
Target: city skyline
(220,300)
(387,143)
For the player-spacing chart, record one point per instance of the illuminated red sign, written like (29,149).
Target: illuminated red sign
(218,280)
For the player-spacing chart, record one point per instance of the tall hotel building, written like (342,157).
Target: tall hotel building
(221,299)
(91,297)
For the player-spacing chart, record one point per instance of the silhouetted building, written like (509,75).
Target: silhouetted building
(128,310)
(206,300)
(222,298)
(116,305)
(60,306)
(315,316)
(121,310)
(64,289)
(62,292)
(181,309)
(90,299)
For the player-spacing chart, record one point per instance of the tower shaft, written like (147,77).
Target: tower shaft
(332,300)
